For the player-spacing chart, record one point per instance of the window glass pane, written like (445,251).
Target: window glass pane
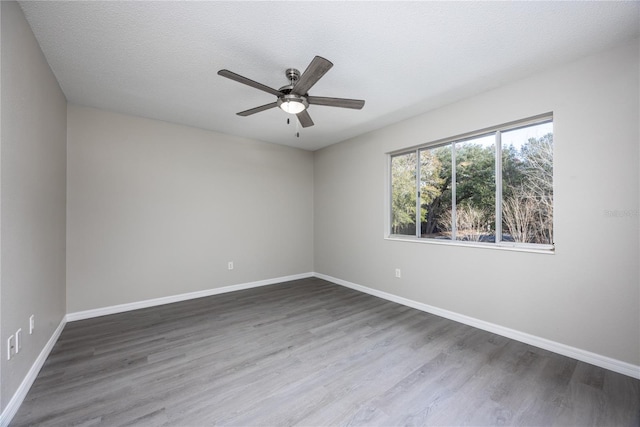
(527,184)
(435,192)
(403,194)
(476,189)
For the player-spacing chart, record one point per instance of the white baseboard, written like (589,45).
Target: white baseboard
(556,347)
(565,350)
(104,311)
(18,397)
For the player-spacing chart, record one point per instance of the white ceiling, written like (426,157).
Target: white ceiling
(160,59)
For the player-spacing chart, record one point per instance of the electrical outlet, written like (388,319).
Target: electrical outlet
(18,340)
(230,265)
(398,273)
(10,347)
(32,323)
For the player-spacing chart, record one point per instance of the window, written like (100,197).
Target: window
(492,187)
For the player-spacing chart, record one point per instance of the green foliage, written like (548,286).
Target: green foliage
(475,179)
(475,187)
(436,187)
(403,191)
(527,175)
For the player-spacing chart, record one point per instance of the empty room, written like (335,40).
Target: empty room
(311,213)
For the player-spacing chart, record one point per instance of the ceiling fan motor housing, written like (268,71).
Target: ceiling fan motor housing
(289,101)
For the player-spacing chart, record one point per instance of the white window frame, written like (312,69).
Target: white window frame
(499,243)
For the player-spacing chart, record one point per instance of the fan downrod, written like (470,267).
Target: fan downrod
(292,74)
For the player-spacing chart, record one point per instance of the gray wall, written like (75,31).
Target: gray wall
(587,295)
(157,209)
(33,192)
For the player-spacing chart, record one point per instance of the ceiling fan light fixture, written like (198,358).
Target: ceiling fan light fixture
(292,104)
(292,107)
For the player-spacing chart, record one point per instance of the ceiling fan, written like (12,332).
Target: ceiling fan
(293,98)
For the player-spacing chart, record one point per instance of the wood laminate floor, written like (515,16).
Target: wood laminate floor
(311,353)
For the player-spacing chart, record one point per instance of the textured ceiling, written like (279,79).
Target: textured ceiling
(159,59)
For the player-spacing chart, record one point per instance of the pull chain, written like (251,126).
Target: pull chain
(297,129)
(293,77)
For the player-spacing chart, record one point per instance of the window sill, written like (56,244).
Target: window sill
(503,246)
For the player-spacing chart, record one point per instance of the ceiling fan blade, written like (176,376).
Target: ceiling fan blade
(316,69)
(257,109)
(305,119)
(356,104)
(240,79)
